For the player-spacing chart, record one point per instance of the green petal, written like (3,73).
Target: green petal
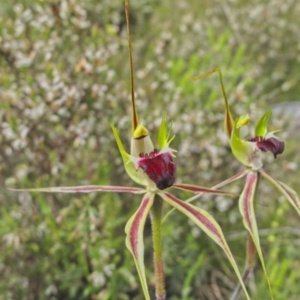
(208,224)
(136,175)
(164,139)
(83,189)
(245,152)
(134,239)
(262,124)
(290,194)
(125,155)
(199,189)
(247,212)
(198,195)
(237,176)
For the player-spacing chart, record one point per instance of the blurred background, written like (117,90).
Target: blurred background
(64,79)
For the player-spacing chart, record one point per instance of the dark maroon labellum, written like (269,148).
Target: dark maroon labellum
(269,144)
(159,167)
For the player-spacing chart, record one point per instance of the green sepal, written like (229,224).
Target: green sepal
(262,124)
(136,175)
(124,154)
(164,139)
(244,151)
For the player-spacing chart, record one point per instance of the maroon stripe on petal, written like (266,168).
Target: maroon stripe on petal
(248,198)
(231,179)
(83,189)
(205,221)
(134,229)
(88,189)
(198,189)
(290,194)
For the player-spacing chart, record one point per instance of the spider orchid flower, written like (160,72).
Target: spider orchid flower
(249,153)
(154,169)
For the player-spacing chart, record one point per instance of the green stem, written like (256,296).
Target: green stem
(156,220)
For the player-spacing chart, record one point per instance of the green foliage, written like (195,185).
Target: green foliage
(64,78)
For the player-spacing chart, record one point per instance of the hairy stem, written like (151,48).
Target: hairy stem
(156,220)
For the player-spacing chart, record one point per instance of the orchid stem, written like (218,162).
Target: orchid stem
(156,220)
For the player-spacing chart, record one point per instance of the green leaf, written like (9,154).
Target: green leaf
(208,224)
(290,194)
(262,124)
(186,289)
(247,212)
(134,240)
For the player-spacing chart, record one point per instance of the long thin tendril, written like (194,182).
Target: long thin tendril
(134,112)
